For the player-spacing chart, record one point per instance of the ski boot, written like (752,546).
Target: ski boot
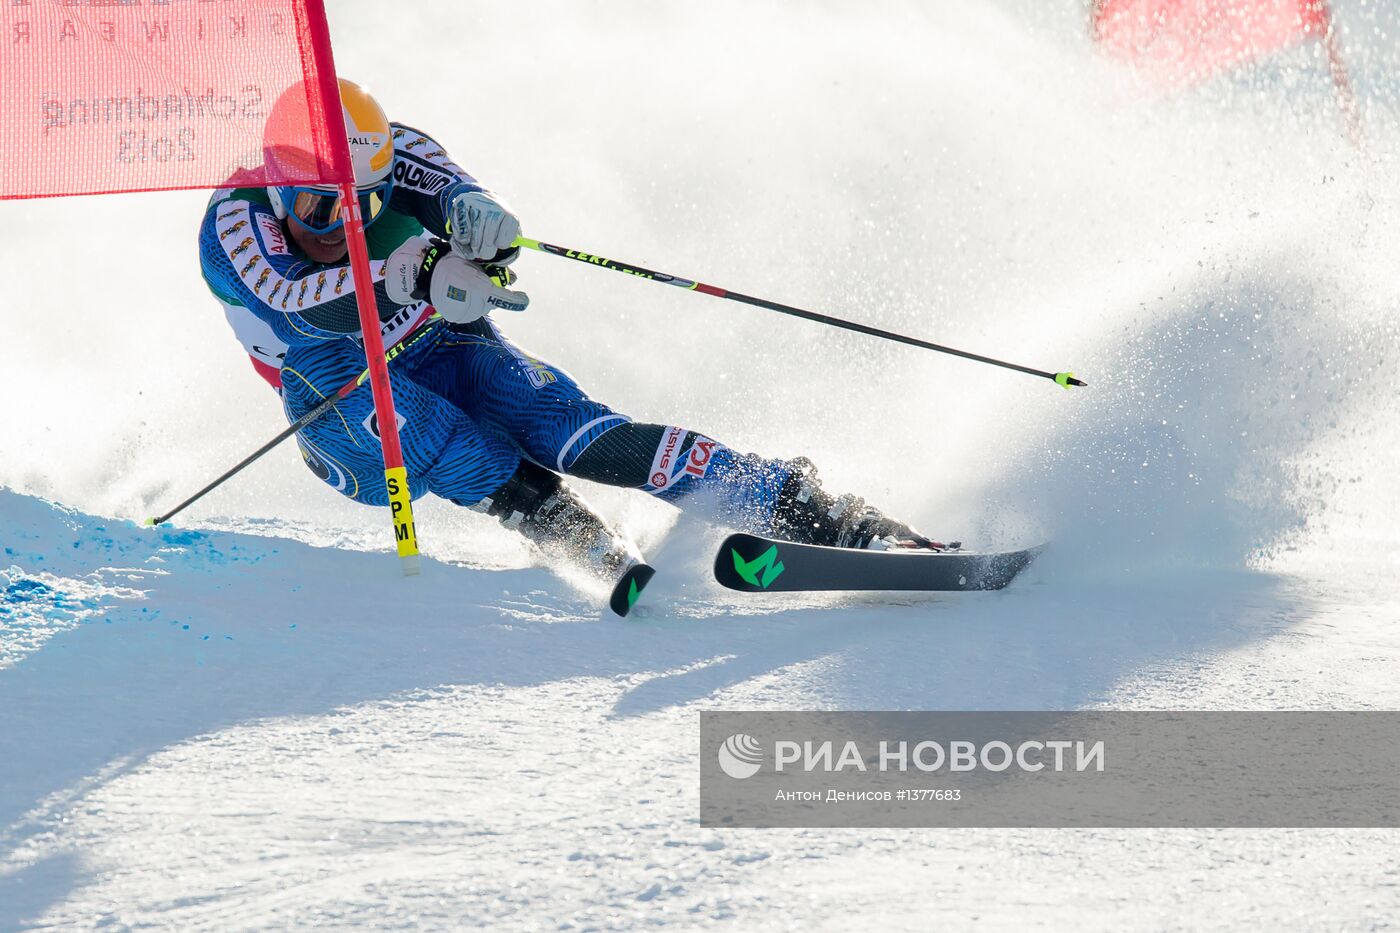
(807,514)
(536,503)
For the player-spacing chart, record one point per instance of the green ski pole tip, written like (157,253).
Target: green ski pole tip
(1065,380)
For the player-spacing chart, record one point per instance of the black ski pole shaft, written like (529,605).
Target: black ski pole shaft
(326,405)
(1065,379)
(291,429)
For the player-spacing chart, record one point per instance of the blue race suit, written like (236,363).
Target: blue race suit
(470,403)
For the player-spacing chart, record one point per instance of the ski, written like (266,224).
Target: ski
(629,587)
(761,565)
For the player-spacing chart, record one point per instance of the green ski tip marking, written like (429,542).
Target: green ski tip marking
(766,562)
(149,523)
(628,589)
(1063,380)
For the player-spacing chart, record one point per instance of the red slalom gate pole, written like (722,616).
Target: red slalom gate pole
(395,476)
(1341,78)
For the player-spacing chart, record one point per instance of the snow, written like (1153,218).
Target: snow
(251,720)
(211,730)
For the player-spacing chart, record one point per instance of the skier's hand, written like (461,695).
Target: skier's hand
(460,291)
(482,227)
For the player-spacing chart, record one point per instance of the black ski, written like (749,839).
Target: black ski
(762,565)
(625,593)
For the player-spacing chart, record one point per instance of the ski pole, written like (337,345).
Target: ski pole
(1064,380)
(326,405)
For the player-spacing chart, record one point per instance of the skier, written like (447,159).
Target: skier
(483,423)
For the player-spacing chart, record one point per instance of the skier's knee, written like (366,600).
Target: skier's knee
(473,465)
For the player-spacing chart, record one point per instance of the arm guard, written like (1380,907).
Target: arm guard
(426,180)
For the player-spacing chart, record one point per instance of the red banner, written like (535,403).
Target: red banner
(1180,41)
(143,95)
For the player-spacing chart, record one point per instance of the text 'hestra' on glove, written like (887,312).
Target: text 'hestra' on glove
(421,270)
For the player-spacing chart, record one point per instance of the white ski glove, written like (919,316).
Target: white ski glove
(422,270)
(481,225)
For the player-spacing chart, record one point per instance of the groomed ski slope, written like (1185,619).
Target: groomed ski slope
(252,721)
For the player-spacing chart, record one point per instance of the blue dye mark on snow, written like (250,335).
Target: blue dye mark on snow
(25,590)
(182,537)
(38,608)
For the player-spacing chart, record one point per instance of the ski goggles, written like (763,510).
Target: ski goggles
(319,210)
